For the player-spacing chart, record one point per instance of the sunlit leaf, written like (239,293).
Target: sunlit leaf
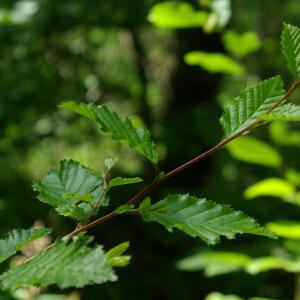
(290,43)
(293,176)
(253,101)
(176,15)
(214,62)
(274,187)
(120,129)
(18,238)
(71,178)
(252,150)
(285,228)
(201,218)
(283,135)
(115,255)
(65,264)
(214,262)
(219,296)
(241,44)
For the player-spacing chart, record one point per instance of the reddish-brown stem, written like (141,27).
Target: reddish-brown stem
(184,166)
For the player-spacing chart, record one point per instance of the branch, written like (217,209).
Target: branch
(184,166)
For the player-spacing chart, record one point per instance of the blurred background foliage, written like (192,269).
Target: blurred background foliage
(171,66)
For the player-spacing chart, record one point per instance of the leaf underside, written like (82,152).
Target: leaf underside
(66,265)
(57,188)
(286,112)
(201,218)
(120,129)
(290,43)
(252,102)
(18,238)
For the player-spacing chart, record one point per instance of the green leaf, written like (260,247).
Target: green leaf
(214,262)
(115,257)
(286,112)
(252,150)
(285,228)
(71,178)
(18,238)
(253,101)
(293,176)
(176,15)
(274,187)
(201,218)
(219,296)
(65,264)
(290,43)
(117,181)
(214,62)
(283,135)
(123,209)
(241,44)
(81,197)
(120,129)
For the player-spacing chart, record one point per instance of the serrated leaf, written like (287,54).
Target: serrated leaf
(255,151)
(251,103)
(202,218)
(18,238)
(286,112)
(117,181)
(120,129)
(176,15)
(70,178)
(290,43)
(214,62)
(65,264)
(274,187)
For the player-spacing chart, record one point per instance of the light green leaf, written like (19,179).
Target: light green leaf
(123,209)
(293,176)
(214,262)
(18,238)
(120,129)
(283,135)
(201,218)
(65,264)
(219,296)
(268,263)
(253,101)
(241,44)
(290,43)
(176,15)
(115,257)
(252,150)
(70,178)
(214,62)
(285,228)
(117,181)
(274,187)
(286,112)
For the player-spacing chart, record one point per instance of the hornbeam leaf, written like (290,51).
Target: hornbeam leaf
(66,264)
(286,112)
(117,181)
(72,178)
(18,238)
(202,218)
(120,129)
(290,42)
(253,101)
